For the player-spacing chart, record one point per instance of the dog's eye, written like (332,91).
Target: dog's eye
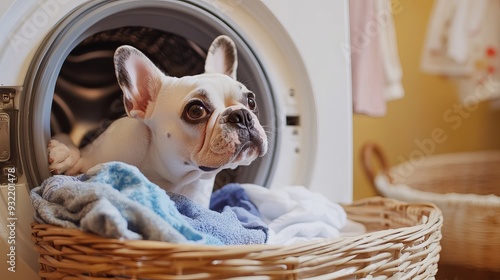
(252,104)
(196,111)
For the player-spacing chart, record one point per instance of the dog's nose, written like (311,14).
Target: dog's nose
(241,118)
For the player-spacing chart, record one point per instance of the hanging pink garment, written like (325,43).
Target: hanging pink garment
(375,65)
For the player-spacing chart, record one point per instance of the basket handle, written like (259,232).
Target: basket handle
(368,151)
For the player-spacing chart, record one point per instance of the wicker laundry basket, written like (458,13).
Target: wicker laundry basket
(465,186)
(403,242)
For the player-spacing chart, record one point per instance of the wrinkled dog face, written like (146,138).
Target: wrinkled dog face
(222,113)
(206,122)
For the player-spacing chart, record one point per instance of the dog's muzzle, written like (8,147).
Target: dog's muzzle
(244,124)
(241,118)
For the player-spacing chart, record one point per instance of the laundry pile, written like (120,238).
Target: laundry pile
(295,214)
(115,200)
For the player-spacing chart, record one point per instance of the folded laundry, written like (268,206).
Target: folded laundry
(116,200)
(296,214)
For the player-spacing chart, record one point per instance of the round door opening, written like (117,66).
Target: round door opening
(71,86)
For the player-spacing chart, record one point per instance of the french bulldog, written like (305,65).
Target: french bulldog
(180,132)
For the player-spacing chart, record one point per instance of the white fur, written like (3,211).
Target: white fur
(157,139)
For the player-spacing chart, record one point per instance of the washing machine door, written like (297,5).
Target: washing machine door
(199,23)
(269,64)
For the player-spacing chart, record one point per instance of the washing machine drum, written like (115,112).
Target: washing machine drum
(71,86)
(87,97)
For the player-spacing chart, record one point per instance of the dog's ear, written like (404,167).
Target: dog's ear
(139,79)
(222,57)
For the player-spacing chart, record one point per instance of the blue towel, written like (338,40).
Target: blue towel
(95,207)
(113,200)
(232,197)
(116,200)
(225,225)
(132,184)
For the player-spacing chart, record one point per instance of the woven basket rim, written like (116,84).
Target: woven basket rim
(450,159)
(385,186)
(434,216)
(389,189)
(408,243)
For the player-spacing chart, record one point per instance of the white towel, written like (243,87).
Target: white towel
(295,214)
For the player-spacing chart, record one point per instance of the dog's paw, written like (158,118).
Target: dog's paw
(61,157)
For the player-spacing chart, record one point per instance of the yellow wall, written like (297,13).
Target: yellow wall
(427,98)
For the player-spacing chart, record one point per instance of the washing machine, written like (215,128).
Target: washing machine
(294,54)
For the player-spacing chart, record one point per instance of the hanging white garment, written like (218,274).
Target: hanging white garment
(389,52)
(463,43)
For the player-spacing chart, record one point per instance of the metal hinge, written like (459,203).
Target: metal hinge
(6,104)
(7,95)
